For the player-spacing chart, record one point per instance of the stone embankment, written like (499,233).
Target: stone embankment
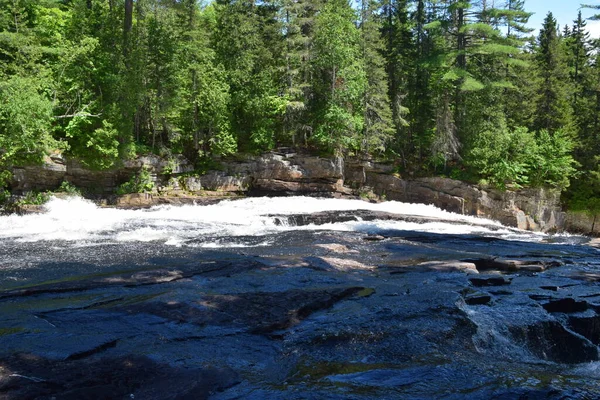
(289,173)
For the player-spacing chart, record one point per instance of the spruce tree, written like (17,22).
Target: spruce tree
(578,57)
(553,111)
(248,45)
(377,130)
(298,21)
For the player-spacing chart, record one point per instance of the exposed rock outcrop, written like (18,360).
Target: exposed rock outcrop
(303,314)
(531,209)
(582,222)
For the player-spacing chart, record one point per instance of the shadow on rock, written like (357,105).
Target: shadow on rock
(261,312)
(25,376)
(549,340)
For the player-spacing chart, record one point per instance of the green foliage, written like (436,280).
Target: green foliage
(337,129)
(501,157)
(68,188)
(34,198)
(139,183)
(436,86)
(98,149)
(553,164)
(521,158)
(340,79)
(378,127)
(25,123)
(4,197)
(553,111)
(584,193)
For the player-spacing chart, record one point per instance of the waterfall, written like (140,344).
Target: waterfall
(78,220)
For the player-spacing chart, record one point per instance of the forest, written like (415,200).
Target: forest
(460,88)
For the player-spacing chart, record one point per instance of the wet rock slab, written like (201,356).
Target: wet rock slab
(27,376)
(311,315)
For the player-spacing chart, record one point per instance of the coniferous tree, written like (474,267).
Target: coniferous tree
(519,108)
(111,78)
(377,130)
(248,46)
(553,111)
(577,42)
(339,79)
(202,100)
(298,20)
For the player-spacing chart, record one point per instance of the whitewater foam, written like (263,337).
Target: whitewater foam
(78,220)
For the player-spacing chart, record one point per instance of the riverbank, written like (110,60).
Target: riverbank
(174,181)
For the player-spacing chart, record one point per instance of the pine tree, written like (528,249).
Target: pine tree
(471,71)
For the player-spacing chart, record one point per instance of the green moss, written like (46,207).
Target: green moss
(366,292)
(10,331)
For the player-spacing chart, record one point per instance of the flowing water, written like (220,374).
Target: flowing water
(294,297)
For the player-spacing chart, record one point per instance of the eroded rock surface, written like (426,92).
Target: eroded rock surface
(309,314)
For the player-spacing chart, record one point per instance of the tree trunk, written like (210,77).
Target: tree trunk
(195,122)
(127,25)
(333,80)
(461,59)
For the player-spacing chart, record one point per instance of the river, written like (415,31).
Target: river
(295,298)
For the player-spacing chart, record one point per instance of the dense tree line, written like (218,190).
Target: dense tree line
(456,87)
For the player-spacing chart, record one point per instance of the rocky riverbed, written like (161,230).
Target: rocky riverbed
(319,304)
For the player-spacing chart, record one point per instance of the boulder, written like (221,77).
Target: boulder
(192,184)
(135,200)
(221,181)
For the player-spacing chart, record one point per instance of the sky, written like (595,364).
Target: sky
(565,11)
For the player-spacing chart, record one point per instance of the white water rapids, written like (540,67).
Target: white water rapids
(78,220)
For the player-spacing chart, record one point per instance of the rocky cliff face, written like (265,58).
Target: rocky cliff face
(531,209)
(291,173)
(581,222)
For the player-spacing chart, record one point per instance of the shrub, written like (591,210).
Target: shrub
(502,157)
(139,183)
(521,158)
(69,188)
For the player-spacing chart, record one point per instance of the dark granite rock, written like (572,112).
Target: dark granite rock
(475,299)
(26,376)
(567,305)
(588,326)
(549,340)
(490,281)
